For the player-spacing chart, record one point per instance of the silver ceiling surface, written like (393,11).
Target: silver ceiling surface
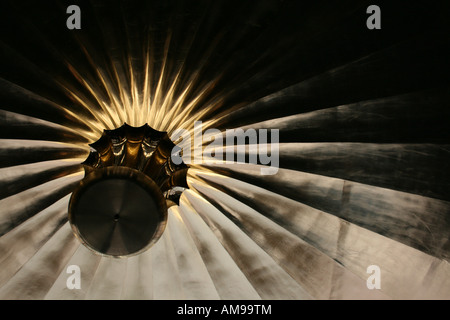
(364,146)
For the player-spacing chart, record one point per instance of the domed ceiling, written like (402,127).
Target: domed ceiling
(356,121)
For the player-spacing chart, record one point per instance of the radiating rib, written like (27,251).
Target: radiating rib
(417,117)
(104,117)
(139,278)
(166,282)
(230,282)
(119,80)
(18,208)
(21,243)
(20,100)
(414,220)
(18,152)
(17,126)
(259,65)
(16,179)
(195,279)
(19,64)
(108,280)
(37,276)
(266,276)
(60,90)
(404,167)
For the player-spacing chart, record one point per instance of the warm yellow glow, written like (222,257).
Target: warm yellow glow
(156,95)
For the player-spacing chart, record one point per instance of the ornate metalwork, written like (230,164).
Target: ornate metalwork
(120,207)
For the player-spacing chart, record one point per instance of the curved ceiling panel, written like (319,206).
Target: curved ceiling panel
(362,176)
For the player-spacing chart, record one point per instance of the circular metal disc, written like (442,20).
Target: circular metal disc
(118,211)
